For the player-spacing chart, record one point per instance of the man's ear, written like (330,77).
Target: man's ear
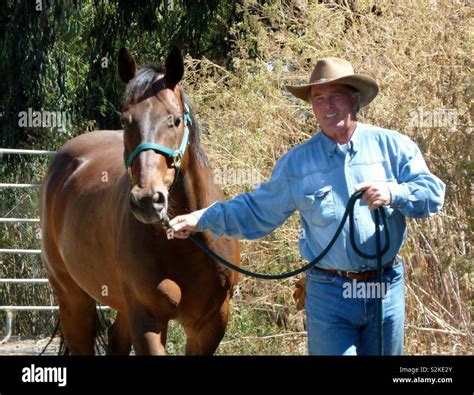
(174,68)
(127,66)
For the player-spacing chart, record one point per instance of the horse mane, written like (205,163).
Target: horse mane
(147,74)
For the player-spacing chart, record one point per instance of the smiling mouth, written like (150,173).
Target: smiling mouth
(329,116)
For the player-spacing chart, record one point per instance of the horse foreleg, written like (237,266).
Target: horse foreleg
(119,341)
(148,333)
(204,337)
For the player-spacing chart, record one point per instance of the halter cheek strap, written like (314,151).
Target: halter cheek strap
(176,156)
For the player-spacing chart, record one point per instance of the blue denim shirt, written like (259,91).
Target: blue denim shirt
(317,178)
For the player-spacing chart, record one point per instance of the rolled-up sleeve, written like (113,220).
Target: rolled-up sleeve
(418,193)
(253,214)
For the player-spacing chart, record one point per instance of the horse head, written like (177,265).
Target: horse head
(156,121)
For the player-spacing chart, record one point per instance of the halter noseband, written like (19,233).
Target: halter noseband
(176,156)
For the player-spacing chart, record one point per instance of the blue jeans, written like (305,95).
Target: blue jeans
(342,315)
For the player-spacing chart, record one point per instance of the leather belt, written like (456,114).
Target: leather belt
(360,276)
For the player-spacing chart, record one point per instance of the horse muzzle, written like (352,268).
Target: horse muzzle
(149,208)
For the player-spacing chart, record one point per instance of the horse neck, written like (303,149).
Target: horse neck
(197,188)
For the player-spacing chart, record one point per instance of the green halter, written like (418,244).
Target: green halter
(176,156)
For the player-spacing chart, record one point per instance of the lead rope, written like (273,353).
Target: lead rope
(349,212)
(380,280)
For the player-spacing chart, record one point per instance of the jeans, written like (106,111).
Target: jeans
(342,314)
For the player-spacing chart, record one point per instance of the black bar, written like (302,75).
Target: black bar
(227,373)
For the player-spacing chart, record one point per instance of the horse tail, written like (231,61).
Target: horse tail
(100,340)
(55,332)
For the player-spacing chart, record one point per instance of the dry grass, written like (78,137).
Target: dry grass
(419,51)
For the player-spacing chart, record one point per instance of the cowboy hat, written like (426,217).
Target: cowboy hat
(337,71)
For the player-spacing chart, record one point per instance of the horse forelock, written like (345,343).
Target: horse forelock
(146,76)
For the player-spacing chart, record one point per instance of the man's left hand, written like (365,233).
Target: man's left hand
(376,194)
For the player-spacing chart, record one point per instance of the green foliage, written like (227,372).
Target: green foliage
(62,58)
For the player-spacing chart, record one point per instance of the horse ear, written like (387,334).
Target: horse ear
(127,66)
(174,67)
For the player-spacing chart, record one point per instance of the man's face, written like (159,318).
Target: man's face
(333,106)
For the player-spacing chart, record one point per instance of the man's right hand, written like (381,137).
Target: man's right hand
(184,225)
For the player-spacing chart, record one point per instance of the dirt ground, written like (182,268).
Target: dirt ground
(27,345)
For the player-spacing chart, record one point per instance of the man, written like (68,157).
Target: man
(317,178)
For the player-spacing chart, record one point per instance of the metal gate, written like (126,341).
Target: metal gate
(11,309)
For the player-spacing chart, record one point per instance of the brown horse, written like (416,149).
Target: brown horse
(102,229)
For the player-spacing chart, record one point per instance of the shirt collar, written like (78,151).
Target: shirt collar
(331,146)
(354,142)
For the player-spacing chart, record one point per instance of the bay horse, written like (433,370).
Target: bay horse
(103,238)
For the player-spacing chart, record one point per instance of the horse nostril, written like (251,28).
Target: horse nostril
(158,198)
(134,200)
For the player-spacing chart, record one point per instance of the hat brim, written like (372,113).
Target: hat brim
(366,86)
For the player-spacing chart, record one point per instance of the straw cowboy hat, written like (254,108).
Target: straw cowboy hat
(337,71)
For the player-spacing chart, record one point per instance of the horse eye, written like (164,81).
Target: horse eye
(174,121)
(125,121)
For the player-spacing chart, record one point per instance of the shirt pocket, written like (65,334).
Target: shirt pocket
(375,171)
(321,206)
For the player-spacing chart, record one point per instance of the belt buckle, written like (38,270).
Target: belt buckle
(346,273)
(349,272)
